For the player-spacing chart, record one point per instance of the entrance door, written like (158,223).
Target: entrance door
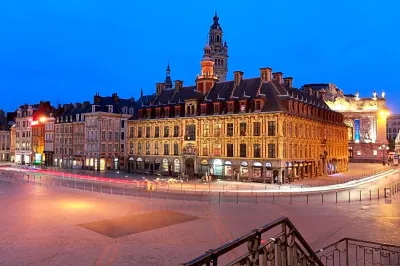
(189,167)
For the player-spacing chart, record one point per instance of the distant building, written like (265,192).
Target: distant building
(5,138)
(105,132)
(392,127)
(365,117)
(69,135)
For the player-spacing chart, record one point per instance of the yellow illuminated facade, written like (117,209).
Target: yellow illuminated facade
(365,117)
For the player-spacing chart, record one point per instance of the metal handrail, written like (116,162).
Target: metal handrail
(212,255)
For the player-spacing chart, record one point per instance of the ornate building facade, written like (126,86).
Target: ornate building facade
(219,49)
(366,119)
(246,129)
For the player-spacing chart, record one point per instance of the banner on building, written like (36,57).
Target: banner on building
(357,130)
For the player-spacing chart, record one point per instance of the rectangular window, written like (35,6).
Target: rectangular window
(216,108)
(116,135)
(205,149)
(217,130)
(131,147)
(176,149)
(256,128)
(176,131)
(284,129)
(217,149)
(243,152)
(206,130)
(243,129)
(258,106)
(157,132)
(139,148)
(157,112)
(203,109)
(230,107)
(190,132)
(147,148)
(229,129)
(156,148)
(147,132)
(166,112)
(140,132)
(229,150)
(166,131)
(271,151)
(257,150)
(166,149)
(271,128)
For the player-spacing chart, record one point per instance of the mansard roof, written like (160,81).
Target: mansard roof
(273,92)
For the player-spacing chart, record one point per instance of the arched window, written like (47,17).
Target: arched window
(217,38)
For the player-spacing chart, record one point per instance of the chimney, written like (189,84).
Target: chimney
(288,81)
(159,87)
(115,97)
(178,84)
(265,74)
(97,98)
(238,77)
(278,77)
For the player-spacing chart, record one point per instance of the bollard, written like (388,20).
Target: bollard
(322,197)
(167,192)
(219,197)
(201,196)
(349,195)
(370,197)
(256,198)
(360,195)
(184,193)
(378,193)
(252,189)
(307,197)
(273,198)
(336,196)
(209,188)
(181,187)
(237,198)
(290,198)
(151,194)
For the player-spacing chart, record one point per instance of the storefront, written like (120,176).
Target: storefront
(204,167)
(268,172)
(157,164)
(216,168)
(228,169)
(139,165)
(165,167)
(257,171)
(244,170)
(177,166)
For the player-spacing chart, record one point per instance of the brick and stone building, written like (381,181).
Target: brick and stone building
(105,132)
(70,135)
(259,128)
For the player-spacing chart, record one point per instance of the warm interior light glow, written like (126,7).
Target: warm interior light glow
(384,113)
(42,119)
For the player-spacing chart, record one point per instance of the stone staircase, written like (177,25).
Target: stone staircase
(279,243)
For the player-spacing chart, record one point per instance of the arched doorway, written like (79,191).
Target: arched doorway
(189,166)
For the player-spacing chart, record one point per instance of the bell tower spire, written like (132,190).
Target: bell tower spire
(168,80)
(205,81)
(219,49)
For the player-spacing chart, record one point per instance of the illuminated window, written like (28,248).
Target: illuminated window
(358,152)
(374,152)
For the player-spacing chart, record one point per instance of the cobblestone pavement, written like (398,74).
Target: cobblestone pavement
(40,226)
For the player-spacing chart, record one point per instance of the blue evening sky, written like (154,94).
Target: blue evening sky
(66,50)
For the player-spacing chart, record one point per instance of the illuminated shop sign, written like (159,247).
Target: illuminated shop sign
(357,130)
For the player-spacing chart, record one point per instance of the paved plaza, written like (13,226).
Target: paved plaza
(60,226)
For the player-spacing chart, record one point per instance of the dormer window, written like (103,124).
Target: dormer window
(70,118)
(131,111)
(177,111)
(158,111)
(258,105)
(230,107)
(148,112)
(203,109)
(77,117)
(243,106)
(110,108)
(140,114)
(166,112)
(216,108)
(93,108)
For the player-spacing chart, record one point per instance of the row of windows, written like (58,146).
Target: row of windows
(105,136)
(24,145)
(4,146)
(104,148)
(23,134)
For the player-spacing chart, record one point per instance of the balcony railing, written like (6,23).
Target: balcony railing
(350,251)
(287,247)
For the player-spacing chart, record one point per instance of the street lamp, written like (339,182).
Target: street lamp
(383,148)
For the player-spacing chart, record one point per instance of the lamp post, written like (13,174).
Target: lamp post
(383,148)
